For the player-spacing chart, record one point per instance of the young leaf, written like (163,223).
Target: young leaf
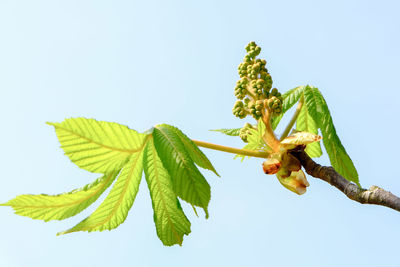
(305,123)
(289,99)
(318,110)
(255,140)
(62,206)
(97,146)
(194,152)
(114,209)
(171,223)
(189,184)
(230,132)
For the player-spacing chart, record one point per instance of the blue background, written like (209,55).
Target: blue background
(140,63)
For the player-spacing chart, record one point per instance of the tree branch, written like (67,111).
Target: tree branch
(374,195)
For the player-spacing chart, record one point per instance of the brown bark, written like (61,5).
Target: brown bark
(374,195)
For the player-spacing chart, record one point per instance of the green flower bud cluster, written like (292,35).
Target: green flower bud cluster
(274,104)
(253,50)
(256,108)
(239,110)
(245,132)
(255,86)
(254,69)
(240,89)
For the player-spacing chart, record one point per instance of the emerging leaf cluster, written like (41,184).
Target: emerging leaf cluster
(314,116)
(167,157)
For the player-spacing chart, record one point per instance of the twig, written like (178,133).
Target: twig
(374,195)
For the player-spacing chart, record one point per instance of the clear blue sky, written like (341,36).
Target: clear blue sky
(140,63)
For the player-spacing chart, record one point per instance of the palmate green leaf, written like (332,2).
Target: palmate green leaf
(167,156)
(194,152)
(97,146)
(230,132)
(114,209)
(289,99)
(305,123)
(189,184)
(318,110)
(62,206)
(171,223)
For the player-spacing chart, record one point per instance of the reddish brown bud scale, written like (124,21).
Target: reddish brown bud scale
(271,166)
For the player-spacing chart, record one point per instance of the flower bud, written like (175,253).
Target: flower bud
(274,92)
(250,46)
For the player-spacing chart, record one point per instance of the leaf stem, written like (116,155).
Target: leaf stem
(244,152)
(293,120)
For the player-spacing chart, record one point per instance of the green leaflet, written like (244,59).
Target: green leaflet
(194,152)
(62,206)
(114,209)
(230,132)
(318,110)
(305,123)
(289,99)
(171,223)
(97,146)
(189,184)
